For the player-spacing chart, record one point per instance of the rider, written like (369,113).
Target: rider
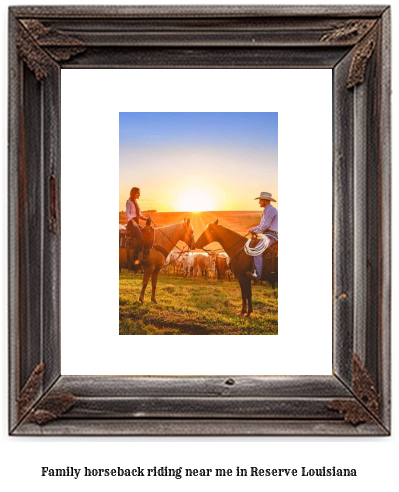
(269,226)
(133,214)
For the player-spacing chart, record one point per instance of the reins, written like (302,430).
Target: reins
(238,254)
(232,246)
(171,263)
(175,246)
(167,237)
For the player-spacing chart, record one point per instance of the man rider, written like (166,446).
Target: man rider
(269,226)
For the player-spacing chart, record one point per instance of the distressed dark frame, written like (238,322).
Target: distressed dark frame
(353,41)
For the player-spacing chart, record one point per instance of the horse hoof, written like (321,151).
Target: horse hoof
(241,315)
(141,301)
(154,301)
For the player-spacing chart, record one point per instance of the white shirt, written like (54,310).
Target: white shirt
(269,220)
(131,210)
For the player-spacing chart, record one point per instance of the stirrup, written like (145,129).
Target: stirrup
(252,276)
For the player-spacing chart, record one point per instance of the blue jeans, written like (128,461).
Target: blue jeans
(135,231)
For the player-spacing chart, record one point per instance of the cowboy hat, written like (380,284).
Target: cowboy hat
(265,196)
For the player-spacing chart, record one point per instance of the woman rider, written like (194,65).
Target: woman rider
(133,214)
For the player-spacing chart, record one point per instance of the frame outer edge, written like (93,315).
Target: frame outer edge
(345,305)
(199,11)
(385,148)
(370,237)
(200,427)
(14,88)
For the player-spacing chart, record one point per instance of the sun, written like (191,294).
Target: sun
(196,200)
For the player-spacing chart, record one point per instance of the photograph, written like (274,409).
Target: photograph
(198,223)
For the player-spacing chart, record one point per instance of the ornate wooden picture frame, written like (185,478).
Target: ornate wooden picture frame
(353,41)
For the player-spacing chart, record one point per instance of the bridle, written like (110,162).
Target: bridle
(210,239)
(182,251)
(190,237)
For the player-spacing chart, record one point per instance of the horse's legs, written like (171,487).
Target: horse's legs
(248,293)
(154,280)
(146,277)
(241,280)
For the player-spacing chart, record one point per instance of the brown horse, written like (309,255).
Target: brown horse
(166,237)
(240,262)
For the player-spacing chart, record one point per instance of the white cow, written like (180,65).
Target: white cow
(188,264)
(170,260)
(176,260)
(179,263)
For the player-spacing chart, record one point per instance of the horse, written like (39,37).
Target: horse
(165,238)
(240,262)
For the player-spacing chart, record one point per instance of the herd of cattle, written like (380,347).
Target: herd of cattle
(191,264)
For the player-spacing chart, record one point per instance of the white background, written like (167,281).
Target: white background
(90,197)
(21,458)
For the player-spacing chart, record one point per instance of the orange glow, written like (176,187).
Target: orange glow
(196,200)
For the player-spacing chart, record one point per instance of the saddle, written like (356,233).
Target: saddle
(270,262)
(127,252)
(129,242)
(126,240)
(271,252)
(270,265)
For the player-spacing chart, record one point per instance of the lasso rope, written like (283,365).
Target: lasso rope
(260,247)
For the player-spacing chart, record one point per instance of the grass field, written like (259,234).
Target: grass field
(194,307)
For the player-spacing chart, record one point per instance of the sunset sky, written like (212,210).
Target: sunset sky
(197,161)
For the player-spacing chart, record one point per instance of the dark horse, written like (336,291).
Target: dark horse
(240,262)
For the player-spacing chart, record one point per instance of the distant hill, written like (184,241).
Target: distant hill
(122,212)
